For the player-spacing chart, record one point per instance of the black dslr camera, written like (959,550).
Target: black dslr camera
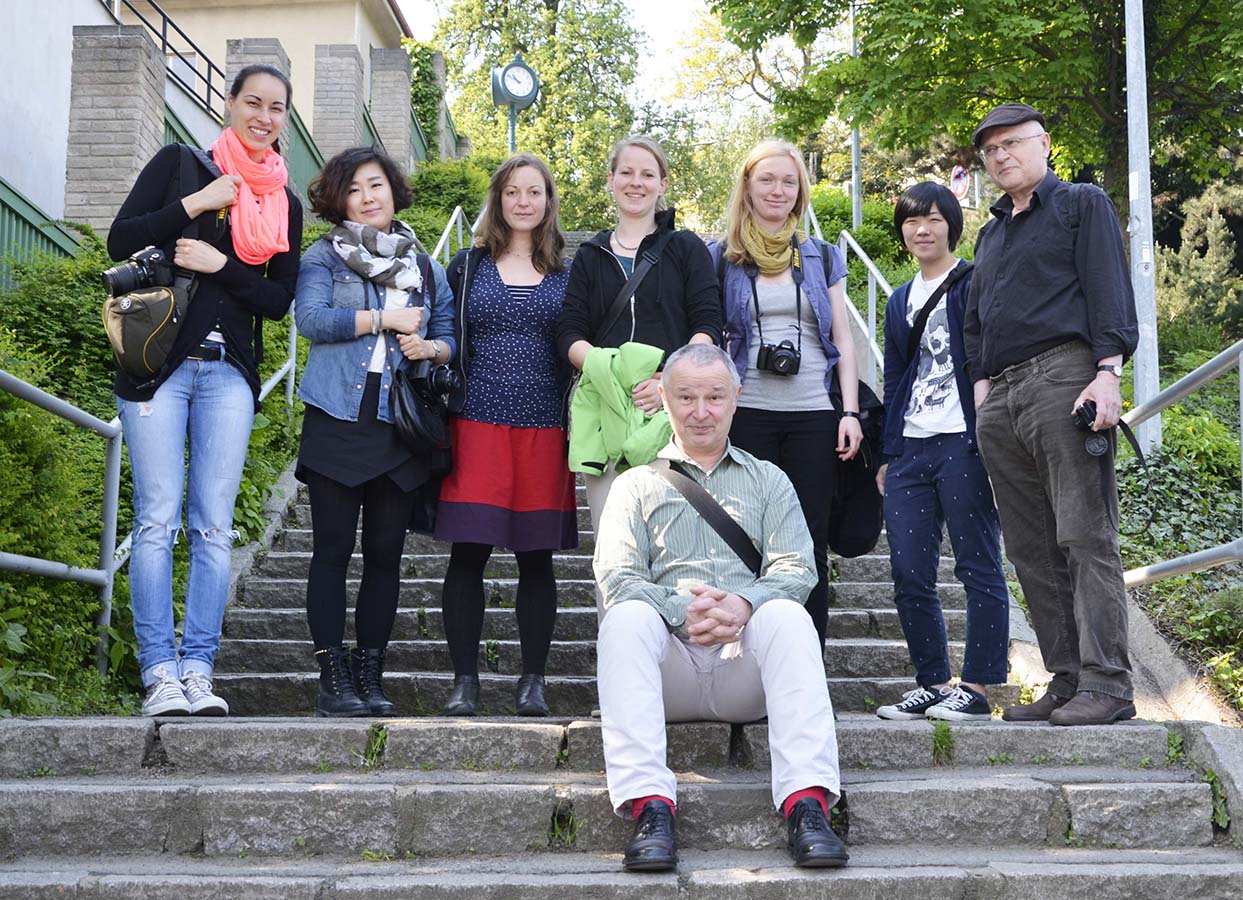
(1096,444)
(440,380)
(780,359)
(149,267)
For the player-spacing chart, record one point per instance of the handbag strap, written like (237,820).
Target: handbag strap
(712,512)
(643,265)
(921,320)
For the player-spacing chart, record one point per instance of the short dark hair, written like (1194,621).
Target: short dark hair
(328,189)
(918,200)
(262,69)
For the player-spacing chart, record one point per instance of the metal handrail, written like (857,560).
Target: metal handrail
(112,558)
(210,93)
(459,221)
(1222,554)
(846,242)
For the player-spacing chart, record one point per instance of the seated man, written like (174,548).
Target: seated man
(692,634)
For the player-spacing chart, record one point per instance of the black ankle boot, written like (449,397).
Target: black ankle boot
(368,668)
(336,697)
(465,696)
(530,698)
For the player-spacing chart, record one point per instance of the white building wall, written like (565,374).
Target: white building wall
(36,52)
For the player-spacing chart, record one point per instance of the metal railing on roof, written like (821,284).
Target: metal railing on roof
(206,83)
(1222,554)
(112,558)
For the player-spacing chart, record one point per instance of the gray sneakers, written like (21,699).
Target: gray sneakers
(165,696)
(203,702)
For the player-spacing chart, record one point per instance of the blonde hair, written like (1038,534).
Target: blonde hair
(652,146)
(494,232)
(740,211)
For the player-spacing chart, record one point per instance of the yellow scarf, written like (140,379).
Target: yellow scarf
(771,252)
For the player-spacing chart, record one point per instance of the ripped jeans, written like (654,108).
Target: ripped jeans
(210,402)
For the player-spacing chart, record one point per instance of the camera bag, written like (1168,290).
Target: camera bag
(142,325)
(421,416)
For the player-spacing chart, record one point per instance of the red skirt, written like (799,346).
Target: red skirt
(510,487)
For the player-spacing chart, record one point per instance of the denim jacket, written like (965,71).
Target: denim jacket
(329,293)
(736,293)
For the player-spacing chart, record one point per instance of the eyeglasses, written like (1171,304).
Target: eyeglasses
(1009,145)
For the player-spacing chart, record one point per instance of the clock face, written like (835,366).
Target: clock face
(518,81)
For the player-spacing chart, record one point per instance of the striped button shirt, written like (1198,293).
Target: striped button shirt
(654,547)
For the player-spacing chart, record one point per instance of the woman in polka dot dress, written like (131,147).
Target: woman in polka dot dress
(934,475)
(510,485)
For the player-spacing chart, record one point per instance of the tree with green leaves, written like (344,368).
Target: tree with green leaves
(935,67)
(585,53)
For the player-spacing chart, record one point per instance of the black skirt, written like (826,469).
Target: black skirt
(353,453)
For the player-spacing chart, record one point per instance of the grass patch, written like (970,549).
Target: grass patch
(563,826)
(942,744)
(1174,754)
(373,756)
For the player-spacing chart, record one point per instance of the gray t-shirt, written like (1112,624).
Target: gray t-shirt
(803,392)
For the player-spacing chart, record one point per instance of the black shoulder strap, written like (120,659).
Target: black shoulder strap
(424,262)
(921,320)
(720,270)
(711,512)
(643,265)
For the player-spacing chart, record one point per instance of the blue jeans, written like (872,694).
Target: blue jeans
(213,404)
(941,480)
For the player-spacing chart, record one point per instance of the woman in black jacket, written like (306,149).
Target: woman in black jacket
(677,303)
(246,266)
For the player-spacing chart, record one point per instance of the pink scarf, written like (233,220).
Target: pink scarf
(261,215)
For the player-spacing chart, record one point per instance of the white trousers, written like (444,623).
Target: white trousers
(648,676)
(598,487)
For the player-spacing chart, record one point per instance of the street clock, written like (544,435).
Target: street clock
(515,85)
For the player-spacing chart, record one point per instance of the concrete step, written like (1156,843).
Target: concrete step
(429,814)
(875,872)
(851,658)
(574,623)
(57,748)
(875,567)
(425,693)
(297,564)
(288,593)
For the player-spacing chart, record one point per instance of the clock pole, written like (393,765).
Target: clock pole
(516,86)
(513,128)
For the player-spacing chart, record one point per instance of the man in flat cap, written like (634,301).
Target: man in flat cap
(1050,321)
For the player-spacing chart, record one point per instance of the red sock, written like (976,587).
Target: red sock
(820,795)
(636,805)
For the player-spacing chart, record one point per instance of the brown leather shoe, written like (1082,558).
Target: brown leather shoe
(1093,708)
(1035,712)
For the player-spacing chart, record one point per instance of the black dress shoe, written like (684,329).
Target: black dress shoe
(811,841)
(654,846)
(530,698)
(465,696)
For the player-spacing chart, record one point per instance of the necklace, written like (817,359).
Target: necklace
(617,240)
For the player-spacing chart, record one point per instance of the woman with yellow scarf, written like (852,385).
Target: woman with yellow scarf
(787,332)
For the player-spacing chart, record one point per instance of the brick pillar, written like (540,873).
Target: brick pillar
(244,52)
(390,102)
(446,148)
(116,118)
(339,98)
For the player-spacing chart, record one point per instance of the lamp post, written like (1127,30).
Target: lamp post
(514,85)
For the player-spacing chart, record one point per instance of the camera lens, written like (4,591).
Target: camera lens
(122,279)
(443,380)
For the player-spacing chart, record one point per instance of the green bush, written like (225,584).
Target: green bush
(445,184)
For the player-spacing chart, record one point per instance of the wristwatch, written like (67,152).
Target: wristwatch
(435,348)
(1112,370)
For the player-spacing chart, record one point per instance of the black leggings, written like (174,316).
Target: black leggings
(802,445)
(463,606)
(334,521)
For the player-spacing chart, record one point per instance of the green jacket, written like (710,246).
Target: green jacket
(605,425)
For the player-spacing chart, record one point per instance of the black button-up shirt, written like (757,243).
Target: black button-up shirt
(1054,273)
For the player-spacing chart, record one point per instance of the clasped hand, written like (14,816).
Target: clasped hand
(715,616)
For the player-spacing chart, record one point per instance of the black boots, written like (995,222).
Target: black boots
(465,696)
(336,696)
(530,697)
(368,666)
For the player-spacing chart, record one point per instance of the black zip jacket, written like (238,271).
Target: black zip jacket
(676,300)
(152,215)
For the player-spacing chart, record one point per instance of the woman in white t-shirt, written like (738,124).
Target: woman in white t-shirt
(933,475)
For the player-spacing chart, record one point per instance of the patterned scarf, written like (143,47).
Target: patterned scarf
(387,258)
(260,217)
(771,252)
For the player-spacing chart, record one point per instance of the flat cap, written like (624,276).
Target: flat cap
(1006,114)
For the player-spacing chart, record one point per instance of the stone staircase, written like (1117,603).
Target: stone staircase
(285,806)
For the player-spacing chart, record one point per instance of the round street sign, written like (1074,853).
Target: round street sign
(960,182)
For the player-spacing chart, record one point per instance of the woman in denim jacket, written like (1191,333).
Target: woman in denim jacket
(787,295)
(366,300)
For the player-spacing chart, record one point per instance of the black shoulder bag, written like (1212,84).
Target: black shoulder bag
(420,414)
(921,321)
(712,512)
